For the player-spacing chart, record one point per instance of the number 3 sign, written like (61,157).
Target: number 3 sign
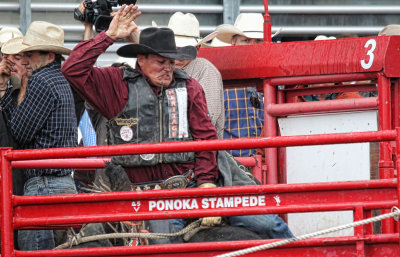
(370,53)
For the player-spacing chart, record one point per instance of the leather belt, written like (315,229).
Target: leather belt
(178,181)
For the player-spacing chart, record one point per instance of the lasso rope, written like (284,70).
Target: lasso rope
(395,213)
(79,239)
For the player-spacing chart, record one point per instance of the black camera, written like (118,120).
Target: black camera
(98,12)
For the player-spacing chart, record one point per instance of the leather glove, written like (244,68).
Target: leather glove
(209,221)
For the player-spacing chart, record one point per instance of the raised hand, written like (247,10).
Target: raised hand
(122,24)
(5,72)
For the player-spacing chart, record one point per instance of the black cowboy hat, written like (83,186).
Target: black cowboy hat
(159,41)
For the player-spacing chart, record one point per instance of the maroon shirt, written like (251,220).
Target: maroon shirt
(106,91)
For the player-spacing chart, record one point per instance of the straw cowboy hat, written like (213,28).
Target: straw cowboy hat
(249,25)
(390,30)
(7,33)
(187,30)
(158,41)
(12,44)
(43,36)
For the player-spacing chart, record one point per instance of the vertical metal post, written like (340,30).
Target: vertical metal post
(267,23)
(398,180)
(359,231)
(25,15)
(270,128)
(231,9)
(7,232)
(386,166)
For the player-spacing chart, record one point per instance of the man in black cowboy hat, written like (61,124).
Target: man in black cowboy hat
(136,100)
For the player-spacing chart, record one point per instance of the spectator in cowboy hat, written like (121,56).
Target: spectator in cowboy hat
(6,33)
(247,30)
(44,118)
(244,107)
(187,33)
(390,30)
(131,98)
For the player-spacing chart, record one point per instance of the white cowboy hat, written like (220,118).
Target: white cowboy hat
(44,36)
(187,30)
(249,25)
(323,37)
(130,61)
(390,30)
(12,46)
(6,33)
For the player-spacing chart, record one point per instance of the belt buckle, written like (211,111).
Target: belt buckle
(177,181)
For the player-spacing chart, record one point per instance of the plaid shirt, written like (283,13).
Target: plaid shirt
(46,118)
(244,116)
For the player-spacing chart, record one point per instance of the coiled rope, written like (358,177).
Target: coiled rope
(79,239)
(395,212)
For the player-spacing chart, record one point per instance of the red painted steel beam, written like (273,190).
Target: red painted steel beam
(306,58)
(75,152)
(291,92)
(88,163)
(6,219)
(376,245)
(368,103)
(76,163)
(316,79)
(188,203)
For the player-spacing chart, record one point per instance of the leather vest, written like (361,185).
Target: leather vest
(148,118)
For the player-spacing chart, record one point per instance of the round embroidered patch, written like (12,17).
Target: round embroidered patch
(126,133)
(147,157)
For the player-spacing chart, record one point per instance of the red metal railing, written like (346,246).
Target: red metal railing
(65,210)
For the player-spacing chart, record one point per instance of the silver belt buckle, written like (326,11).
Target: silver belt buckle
(177,181)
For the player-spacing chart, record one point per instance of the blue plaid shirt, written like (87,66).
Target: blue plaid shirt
(244,116)
(46,118)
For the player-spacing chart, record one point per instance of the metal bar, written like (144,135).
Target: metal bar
(79,152)
(358,231)
(87,163)
(328,89)
(379,245)
(328,30)
(7,230)
(145,8)
(305,80)
(385,149)
(25,15)
(39,216)
(324,9)
(322,106)
(270,130)
(312,188)
(267,23)
(398,176)
(230,11)
(9,7)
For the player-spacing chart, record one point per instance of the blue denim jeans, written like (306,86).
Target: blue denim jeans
(29,240)
(268,226)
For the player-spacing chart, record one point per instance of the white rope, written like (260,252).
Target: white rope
(395,213)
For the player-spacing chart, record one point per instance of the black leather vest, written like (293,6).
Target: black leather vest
(148,118)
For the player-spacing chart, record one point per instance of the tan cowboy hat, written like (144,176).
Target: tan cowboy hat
(216,43)
(6,33)
(44,36)
(249,25)
(390,30)
(12,46)
(323,37)
(187,30)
